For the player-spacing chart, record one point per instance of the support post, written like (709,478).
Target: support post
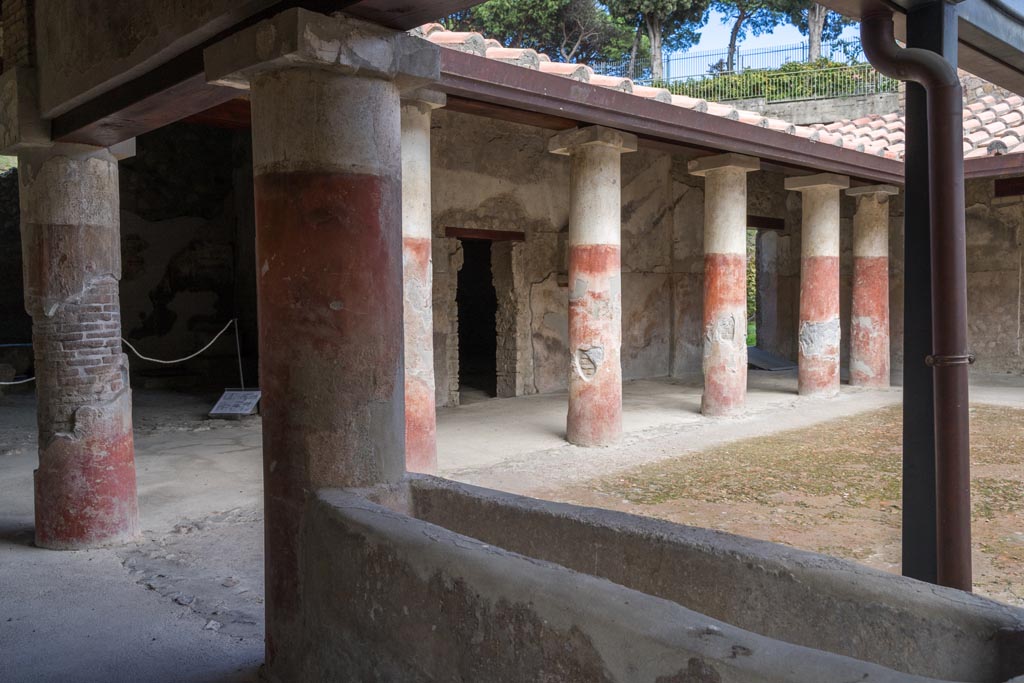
(869,318)
(931,26)
(85,491)
(595,282)
(819,332)
(325,95)
(417,268)
(725,280)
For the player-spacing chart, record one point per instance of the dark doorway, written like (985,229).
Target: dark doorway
(478,337)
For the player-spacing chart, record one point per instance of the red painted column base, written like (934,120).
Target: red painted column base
(420,427)
(85,484)
(725,334)
(420,415)
(819,333)
(869,325)
(595,338)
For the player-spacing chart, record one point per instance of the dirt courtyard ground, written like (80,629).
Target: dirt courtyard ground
(832,488)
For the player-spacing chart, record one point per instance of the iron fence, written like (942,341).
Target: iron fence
(685,66)
(787,86)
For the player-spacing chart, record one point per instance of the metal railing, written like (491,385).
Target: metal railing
(683,66)
(787,86)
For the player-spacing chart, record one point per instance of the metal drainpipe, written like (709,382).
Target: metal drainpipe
(949,358)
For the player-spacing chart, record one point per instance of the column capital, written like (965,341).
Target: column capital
(703,165)
(426,99)
(878,191)
(300,38)
(819,180)
(568,142)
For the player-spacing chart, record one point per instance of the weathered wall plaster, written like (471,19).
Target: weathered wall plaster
(490,175)
(188,251)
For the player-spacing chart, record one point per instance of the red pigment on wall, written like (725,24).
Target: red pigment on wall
(329,265)
(725,333)
(595,332)
(869,328)
(819,303)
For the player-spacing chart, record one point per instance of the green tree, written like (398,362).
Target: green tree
(669,24)
(565,30)
(748,17)
(814,21)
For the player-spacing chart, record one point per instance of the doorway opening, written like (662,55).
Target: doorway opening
(478,337)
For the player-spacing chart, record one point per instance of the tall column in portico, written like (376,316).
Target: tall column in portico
(85,493)
(595,282)
(420,415)
(725,280)
(869,323)
(327,165)
(819,332)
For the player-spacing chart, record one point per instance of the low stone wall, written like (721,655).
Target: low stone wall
(804,112)
(390,597)
(794,596)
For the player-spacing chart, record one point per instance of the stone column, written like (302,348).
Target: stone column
(85,492)
(420,416)
(725,280)
(327,166)
(595,282)
(869,323)
(819,332)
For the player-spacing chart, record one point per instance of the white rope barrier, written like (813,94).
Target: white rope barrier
(20,381)
(233,321)
(179,360)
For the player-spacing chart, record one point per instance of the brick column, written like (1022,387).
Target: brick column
(819,333)
(420,414)
(869,323)
(595,282)
(725,280)
(327,167)
(70,229)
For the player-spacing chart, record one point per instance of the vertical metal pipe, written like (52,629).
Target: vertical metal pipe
(949,358)
(931,27)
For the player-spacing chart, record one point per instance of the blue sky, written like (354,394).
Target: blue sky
(715,35)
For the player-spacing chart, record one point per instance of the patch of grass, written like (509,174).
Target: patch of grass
(856,460)
(859,463)
(991,497)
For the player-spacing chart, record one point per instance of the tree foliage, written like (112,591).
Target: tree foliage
(816,22)
(748,17)
(565,30)
(669,24)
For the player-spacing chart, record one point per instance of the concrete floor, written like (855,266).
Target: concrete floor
(185,602)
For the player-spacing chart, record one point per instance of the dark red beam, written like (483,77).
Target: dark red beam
(485,80)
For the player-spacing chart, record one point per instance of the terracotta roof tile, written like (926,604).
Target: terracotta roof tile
(993,124)
(511,55)
(613,82)
(723,110)
(689,103)
(648,93)
(472,43)
(577,72)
